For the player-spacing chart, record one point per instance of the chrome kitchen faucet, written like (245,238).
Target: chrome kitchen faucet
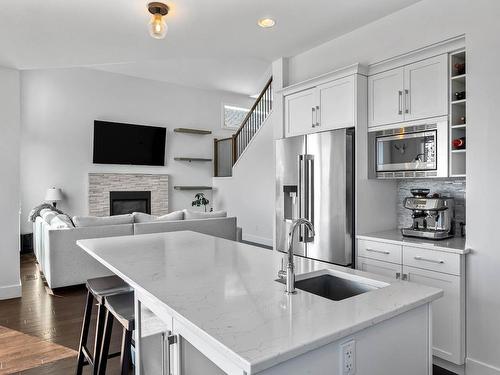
(289,273)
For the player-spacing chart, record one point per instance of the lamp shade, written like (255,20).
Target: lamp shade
(53,195)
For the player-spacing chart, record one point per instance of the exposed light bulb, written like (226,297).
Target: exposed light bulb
(158,27)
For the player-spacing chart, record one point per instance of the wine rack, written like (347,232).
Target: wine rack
(458,113)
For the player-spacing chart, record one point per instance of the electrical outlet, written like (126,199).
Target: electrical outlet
(348,358)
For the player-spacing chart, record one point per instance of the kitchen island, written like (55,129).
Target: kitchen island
(206,305)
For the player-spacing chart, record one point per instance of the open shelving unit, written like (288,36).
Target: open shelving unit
(458,111)
(192,131)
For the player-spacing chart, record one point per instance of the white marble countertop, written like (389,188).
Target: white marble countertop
(226,292)
(450,245)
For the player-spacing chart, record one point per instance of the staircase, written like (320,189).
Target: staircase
(227,151)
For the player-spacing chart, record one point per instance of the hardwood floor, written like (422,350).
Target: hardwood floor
(40,332)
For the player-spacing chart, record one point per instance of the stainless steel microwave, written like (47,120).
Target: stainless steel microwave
(416,151)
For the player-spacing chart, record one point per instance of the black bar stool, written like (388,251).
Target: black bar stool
(121,308)
(98,289)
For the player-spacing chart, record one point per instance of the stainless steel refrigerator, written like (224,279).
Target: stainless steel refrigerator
(315,180)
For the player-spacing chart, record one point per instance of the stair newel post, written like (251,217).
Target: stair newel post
(234,140)
(216,158)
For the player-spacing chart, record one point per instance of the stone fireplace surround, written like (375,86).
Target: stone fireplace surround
(100,184)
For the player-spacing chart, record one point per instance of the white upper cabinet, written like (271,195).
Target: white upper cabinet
(327,102)
(385,97)
(426,88)
(300,112)
(412,92)
(336,108)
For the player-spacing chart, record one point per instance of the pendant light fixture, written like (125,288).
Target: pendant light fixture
(158,27)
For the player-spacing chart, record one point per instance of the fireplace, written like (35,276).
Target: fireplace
(126,202)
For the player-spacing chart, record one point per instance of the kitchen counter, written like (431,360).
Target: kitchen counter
(454,245)
(226,293)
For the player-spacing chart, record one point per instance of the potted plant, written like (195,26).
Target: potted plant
(200,200)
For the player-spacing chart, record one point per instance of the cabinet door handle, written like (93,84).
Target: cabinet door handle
(407,101)
(429,260)
(398,275)
(400,102)
(318,116)
(313,112)
(379,251)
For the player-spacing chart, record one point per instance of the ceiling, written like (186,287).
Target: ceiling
(212,44)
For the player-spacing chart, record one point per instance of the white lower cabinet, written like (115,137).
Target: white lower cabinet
(153,338)
(433,268)
(379,267)
(447,328)
(164,346)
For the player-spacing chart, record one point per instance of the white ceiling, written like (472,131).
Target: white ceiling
(212,44)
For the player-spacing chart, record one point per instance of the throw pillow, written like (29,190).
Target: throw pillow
(48,215)
(190,215)
(61,222)
(93,221)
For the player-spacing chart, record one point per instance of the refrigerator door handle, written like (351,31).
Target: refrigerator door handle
(302,193)
(310,192)
(306,193)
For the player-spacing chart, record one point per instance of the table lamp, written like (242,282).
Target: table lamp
(53,195)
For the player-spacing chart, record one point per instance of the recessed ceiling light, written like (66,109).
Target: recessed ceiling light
(266,22)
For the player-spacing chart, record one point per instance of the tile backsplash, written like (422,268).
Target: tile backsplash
(449,188)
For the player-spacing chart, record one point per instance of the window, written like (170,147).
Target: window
(233,116)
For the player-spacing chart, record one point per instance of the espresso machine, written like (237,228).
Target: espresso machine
(433,216)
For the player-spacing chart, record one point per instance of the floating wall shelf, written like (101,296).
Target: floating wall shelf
(192,131)
(192,187)
(191,159)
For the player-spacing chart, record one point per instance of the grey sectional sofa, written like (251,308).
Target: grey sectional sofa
(64,264)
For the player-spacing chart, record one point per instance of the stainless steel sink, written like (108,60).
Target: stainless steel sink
(333,287)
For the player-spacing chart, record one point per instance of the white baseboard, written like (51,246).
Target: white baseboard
(257,239)
(475,367)
(10,291)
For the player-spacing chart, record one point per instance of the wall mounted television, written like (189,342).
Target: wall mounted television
(116,143)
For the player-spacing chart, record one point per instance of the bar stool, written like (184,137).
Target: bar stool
(98,289)
(121,308)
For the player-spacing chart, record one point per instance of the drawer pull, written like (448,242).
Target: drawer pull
(379,251)
(429,260)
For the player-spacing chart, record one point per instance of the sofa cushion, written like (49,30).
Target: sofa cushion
(48,215)
(94,221)
(176,215)
(61,221)
(190,215)
(141,217)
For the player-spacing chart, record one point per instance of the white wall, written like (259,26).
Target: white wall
(425,23)
(58,112)
(10,285)
(249,193)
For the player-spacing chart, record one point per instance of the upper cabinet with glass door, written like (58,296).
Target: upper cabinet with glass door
(412,92)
